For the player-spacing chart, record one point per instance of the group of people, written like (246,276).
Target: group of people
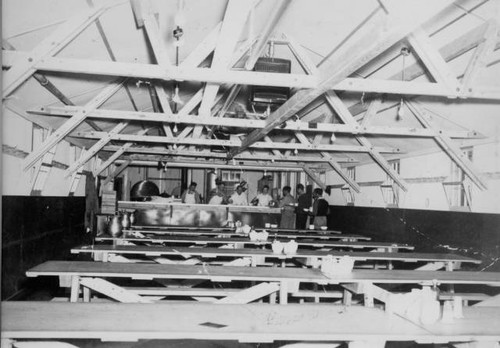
(295,211)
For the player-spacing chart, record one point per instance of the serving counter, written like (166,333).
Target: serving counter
(200,215)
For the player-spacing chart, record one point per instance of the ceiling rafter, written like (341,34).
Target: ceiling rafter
(451,149)
(335,166)
(309,127)
(72,123)
(23,68)
(434,61)
(207,153)
(230,143)
(117,153)
(372,43)
(94,149)
(449,52)
(314,177)
(232,25)
(339,107)
(479,59)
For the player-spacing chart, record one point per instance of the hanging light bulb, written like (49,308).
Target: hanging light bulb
(401,111)
(272,160)
(176,99)
(175,130)
(295,151)
(175,146)
(333,138)
(234,162)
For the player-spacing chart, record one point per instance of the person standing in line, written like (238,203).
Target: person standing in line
(238,197)
(287,205)
(320,209)
(191,196)
(302,211)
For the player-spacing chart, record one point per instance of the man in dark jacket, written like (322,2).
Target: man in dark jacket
(320,209)
(303,204)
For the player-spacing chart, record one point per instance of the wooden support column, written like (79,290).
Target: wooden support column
(338,66)
(63,35)
(71,124)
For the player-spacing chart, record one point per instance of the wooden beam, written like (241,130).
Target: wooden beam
(450,51)
(372,43)
(154,71)
(114,291)
(479,59)
(343,112)
(272,21)
(229,143)
(42,170)
(314,176)
(335,166)
(251,294)
(208,154)
(155,39)
(301,55)
(203,50)
(371,111)
(183,118)
(75,177)
(433,60)
(452,150)
(123,165)
(92,151)
(72,123)
(117,153)
(234,21)
(22,69)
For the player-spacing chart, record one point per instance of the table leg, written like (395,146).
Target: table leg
(86,294)
(283,292)
(75,289)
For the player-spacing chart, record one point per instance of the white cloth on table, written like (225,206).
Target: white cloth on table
(215,200)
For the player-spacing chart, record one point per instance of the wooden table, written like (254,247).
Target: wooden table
(318,243)
(272,233)
(102,252)
(228,229)
(288,279)
(368,327)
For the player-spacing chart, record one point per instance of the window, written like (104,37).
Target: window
(231,176)
(347,190)
(390,191)
(458,186)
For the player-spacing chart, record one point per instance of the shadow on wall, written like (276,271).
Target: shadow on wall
(34,230)
(471,234)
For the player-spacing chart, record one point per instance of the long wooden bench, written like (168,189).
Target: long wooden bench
(318,243)
(256,323)
(450,261)
(287,278)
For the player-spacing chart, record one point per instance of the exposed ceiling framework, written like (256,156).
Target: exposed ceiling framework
(138,102)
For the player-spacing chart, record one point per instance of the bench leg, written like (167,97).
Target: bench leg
(86,294)
(283,292)
(75,289)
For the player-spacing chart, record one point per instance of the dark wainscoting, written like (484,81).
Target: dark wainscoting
(36,229)
(473,234)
